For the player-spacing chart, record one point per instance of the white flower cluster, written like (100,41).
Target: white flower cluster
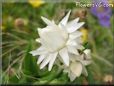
(63,42)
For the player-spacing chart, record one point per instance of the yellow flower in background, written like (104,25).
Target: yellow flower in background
(36,3)
(84,34)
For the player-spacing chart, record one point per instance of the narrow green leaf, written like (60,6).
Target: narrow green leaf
(90,77)
(29,64)
(52,75)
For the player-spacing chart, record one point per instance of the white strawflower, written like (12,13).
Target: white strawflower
(60,39)
(77,65)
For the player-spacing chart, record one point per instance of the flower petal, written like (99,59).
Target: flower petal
(72,57)
(84,71)
(45,61)
(41,58)
(78,25)
(47,21)
(38,40)
(79,40)
(65,19)
(53,56)
(63,27)
(53,21)
(71,42)
(73,50)
(75,35)
(75,57)
(74,21)
(76,68)
(79,46)
(86,62)
(74,26)
(49,38)
(74,43)
(72,76)
(39,51)
(88,53)
(64,55)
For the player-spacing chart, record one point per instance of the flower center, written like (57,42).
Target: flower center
(54,39)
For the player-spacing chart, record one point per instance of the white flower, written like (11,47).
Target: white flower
(78,64)
(57,40)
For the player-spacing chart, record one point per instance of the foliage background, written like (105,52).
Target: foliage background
(19,67)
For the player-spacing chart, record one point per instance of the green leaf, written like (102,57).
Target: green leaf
(29,64)
(52,75)
(90,77)
(5,78)
(78,80)
(13,79)
(43,72)
(61,79)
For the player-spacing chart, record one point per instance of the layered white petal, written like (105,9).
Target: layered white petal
(73,57)
(75,20)
(53,21)
(51,37)
(78,25)
(72,76)
(72,27)
(84,71)
(75,35)
(65,19)
(72,50)
(76,68)
(38,40)
(38,51)
(79,40)
(71,42)
(53,57)
(63,27)
(82,59)
(86,62)
(34,52)
(76,57)
(41,58)
(64,55)
(79,46)
(88,53)
(45,61)
(47,21)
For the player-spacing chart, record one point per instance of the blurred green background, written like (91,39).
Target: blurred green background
(19,31)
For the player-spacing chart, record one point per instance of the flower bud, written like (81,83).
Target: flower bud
(19,23)
(108,78)
(81,13)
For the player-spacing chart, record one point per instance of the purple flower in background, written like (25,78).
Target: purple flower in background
(102,11)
